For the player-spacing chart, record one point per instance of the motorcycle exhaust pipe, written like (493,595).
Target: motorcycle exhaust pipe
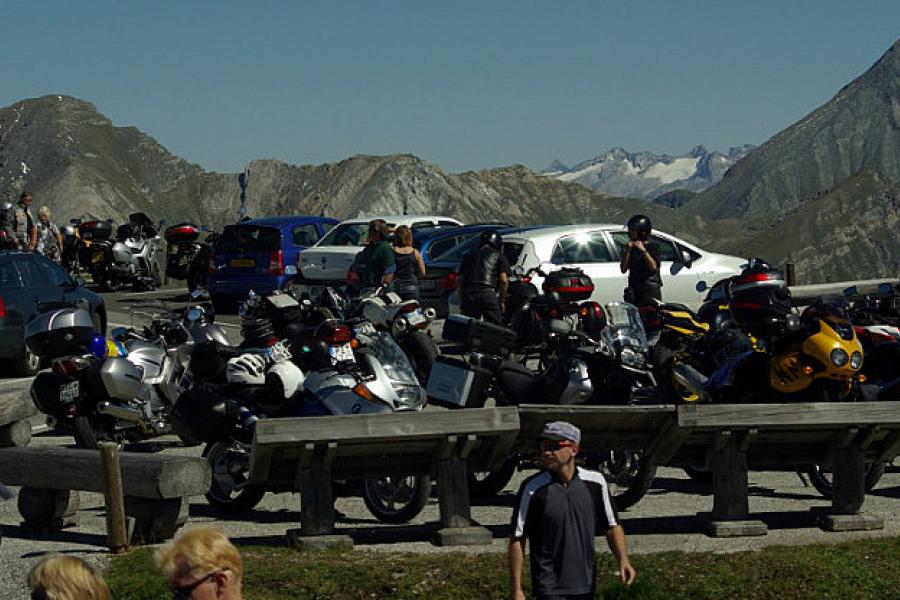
(691,379)
(120,412)
(430,313)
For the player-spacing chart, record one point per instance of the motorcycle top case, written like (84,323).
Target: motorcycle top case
(183,232)
(95,230)
(479,335)
(571,285)
(457,384)
(760,300)
(59,333)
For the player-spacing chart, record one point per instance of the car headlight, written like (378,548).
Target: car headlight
(839,357)
(856,360)
(630,358)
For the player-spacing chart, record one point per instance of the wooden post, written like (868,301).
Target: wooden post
(789,274)
(116,530)
(316,496)
(731,505)
(453,493)
(849,488)
(17,433)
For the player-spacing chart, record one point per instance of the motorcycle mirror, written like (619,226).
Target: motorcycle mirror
(701,286)
(194,314)
(118,333)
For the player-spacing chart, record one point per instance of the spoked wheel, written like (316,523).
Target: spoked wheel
(396,499)
(823,480)
(230,466)
(628,475)
(421,350)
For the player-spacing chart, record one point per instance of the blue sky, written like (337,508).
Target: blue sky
(465,84)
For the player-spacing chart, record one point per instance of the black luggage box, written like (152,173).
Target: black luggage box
(456,384)
(91,231)
(479,335)
(760,301)
(182,232)
(571,285)
(63,332)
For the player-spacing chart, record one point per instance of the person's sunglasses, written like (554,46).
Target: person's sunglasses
(183,592)
(556,444)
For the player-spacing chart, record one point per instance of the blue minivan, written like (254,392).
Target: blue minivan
(260,255)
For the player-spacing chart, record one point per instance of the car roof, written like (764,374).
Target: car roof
(436,234)
(400,219)
(281,221)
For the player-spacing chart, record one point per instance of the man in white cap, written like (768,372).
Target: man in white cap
(559,511)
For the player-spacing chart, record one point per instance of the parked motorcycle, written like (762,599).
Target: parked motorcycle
(133,258)
(187,257)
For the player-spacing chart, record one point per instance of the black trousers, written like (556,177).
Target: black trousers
(481,304)
(642,296)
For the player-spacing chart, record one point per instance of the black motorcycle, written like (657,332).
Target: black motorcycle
(187,256)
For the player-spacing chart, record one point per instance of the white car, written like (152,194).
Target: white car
(328,261)
(597,250)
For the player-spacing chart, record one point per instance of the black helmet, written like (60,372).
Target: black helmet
(491,238)
(641,224)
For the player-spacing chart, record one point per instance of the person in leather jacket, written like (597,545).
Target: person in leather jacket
(484,279)
(641,261)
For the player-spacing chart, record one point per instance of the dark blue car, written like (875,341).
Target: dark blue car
(261,255)
(435,242)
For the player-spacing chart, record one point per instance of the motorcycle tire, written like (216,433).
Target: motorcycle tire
(421,350)
(396,500)
(86,435)
(486,484)
(226,476)
(628,475)
(822,480)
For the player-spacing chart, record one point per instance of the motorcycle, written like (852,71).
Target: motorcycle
(187,258)
(72,248)
(132,258)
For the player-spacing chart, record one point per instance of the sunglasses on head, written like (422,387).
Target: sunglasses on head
(183,592)
(556,444)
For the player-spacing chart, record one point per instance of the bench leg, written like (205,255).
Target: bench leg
(456,513)
(316,511)
(731,504)
(151,520)
(849,493)
(47,510)
(16,434)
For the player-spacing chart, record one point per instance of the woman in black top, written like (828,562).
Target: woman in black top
(641,262)
(409,265)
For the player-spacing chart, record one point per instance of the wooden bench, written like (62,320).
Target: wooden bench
(156,487)
(309,453)
(15,410)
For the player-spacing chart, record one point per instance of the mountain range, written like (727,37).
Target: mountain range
(647,175)
(823,193)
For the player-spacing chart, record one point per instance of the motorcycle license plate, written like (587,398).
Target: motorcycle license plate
(243,263)
(342,353)
(427,284)
(184,260)
(97,257)
(416,317)
(68,392)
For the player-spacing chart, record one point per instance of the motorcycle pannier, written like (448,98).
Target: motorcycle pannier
(760,301)
(93,231)
(183,232)
(479,335)
(457,384)
(571,285)
(59,333)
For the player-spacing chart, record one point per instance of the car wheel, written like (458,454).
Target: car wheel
(27,364)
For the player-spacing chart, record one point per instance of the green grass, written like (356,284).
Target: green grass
(859,569)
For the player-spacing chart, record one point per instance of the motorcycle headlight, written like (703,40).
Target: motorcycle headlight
(856,360)
(839,357)
(631,358)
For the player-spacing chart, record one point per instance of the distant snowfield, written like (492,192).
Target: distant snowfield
(680,168)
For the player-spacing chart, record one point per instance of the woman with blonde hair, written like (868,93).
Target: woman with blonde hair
(66,578)
(49,240)
(202,563)
(408,263)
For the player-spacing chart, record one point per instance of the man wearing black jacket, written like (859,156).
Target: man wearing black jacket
(641,262)
(484,279)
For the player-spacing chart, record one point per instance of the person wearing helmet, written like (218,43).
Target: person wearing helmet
(641,261)
(484,279)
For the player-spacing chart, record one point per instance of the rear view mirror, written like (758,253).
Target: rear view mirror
(686,259)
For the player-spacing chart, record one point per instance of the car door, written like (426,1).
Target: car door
(591,252)
(679,281)
(18,302)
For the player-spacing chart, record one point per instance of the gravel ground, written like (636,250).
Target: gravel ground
(666,519)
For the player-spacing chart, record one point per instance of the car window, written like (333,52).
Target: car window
(9,277)
(33,276)
(249,238)
(439,247)
(447,224)
(422,225)
(327,226)
(305,235)
(512,250)
(346,234)
(667,250)
(684,249)
(584,248)
(457,253)
(54,274)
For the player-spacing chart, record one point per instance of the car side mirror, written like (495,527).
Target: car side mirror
(686,259)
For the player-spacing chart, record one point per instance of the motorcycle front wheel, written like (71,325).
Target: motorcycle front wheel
(396,500)
(229,463)
(628,475)
(823,480)
(421,350)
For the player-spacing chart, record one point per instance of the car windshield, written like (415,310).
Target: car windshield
(511,250)
(249,238)
(347,234)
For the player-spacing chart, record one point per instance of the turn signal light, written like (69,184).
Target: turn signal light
(807,370)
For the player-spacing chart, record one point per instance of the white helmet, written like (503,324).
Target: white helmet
(247,369)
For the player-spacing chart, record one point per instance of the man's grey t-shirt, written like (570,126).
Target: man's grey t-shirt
(560,522)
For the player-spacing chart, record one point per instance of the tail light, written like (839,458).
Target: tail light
(448,281)
(276,263)
(525,279)
(409,308)
(352,277)
(753,278)
(212,261)
(2,308)
(747,305)
(335,335)
(69,366)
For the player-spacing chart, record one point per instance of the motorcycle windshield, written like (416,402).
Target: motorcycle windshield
(624,324)
(398,369)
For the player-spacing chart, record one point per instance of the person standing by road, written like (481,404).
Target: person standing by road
(23,223)
(559,511)
(202,563)
(409,265)
(374,264)
(484,279)
(49,239)
(641,261)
